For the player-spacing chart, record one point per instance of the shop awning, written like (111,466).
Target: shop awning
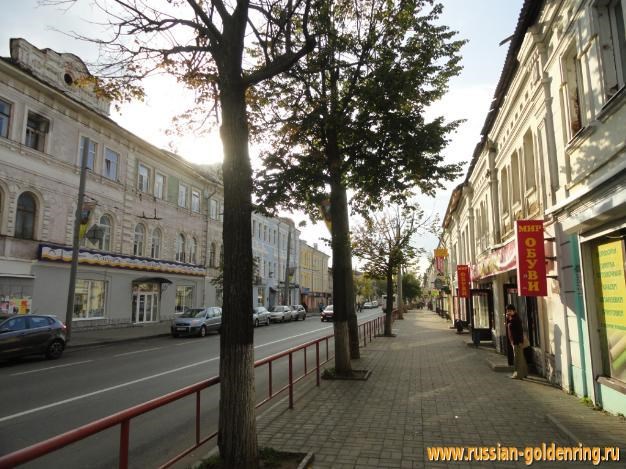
(151,280)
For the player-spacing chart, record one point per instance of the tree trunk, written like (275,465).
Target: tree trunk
(389,306)
(237,439)
(342,265)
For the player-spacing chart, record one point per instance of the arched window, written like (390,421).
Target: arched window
(25,216)
(140,237)
(105,226)
(192,250)
(222,255)
(155,249)
(212,254)
(180,248)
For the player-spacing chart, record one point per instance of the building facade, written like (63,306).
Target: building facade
(314,287)
(552,150)
(154,232)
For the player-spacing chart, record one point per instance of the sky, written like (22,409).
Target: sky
(483,23)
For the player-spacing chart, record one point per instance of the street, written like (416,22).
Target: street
(43,398)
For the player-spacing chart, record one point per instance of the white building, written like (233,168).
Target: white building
(160,216)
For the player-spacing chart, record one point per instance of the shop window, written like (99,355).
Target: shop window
(37,128)
(89,299)
(5,115)
(105,226)
(139,240)
(155,249)
(92,148)
(25,216)
(180,248)
(609,287)
(609,15)
(184,298)
(111,162)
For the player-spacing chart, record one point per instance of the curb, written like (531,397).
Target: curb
(71,345)
(563,429)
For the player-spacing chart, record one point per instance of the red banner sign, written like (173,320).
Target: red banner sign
(463,280)
(531,258)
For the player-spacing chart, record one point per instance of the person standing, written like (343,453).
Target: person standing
(515,334)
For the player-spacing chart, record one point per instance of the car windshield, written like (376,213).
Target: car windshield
(277,309)
(193,313)
(329,308)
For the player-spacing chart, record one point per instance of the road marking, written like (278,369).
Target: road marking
(50,368)
(292,337)
(101,391)
(137,351)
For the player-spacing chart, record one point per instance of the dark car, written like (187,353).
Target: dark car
(197,321)
(327,314)
(31,334)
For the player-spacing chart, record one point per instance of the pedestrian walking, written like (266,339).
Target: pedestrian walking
(515,334)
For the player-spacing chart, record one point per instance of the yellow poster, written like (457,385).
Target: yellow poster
(610,282)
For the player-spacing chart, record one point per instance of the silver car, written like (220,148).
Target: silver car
(197,321)
(280,313)
(260,315)
(298,312)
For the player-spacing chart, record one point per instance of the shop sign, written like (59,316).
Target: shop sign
(89,257)
(463,279)
(440,255)
(531,258)
(499,261)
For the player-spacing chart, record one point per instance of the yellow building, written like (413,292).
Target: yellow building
(314,290)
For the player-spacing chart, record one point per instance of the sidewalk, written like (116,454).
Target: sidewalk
(427,388)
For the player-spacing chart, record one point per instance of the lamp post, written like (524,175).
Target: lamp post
(69,313)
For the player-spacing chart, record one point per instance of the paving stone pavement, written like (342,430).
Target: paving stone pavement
(427,388)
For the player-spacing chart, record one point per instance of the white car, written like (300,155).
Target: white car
(298,312)
(260,315)
(280,313)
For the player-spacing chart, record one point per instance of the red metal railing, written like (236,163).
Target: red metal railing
(366,331)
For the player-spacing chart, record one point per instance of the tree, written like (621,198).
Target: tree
(221,50)
(363,286)
(383,241)
(411,288)
(351,117)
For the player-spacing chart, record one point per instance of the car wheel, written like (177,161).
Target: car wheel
(256,323)
(174,335)
(55,349)
(202,331)
(304,317)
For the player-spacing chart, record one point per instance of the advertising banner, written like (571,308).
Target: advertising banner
(440,255)
(531,258)
(463,278)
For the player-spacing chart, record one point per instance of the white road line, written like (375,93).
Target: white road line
(50,368)
(137,351)
(292,337)
(100,391)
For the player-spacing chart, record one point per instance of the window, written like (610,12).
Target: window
(212,254)
(265,233)
(5,114)
(155,248)
(91,152)
(16,324)
(37,128)
(213,209)
(515,185)
(529,161)
(138,243)
(159,184)
(111,160)
(143,178)
(184,298)
(182,195)
(180,248)
(221,255)
(504,191)
(572,97)
(25,216)
(612,38)
(105,225)
(192,250)
(89,299)
(195,201)
(253,227)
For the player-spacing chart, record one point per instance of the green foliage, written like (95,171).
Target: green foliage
(411,288)
(362,94)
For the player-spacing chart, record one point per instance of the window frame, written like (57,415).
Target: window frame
(6,118)
(91,155)
(163,185)
(139,245)
(186,190)
(18,211)
(156,253)
(195,195)
(143,183)
(180,247)
(105,242)
(41,134)
(105,158)
(89,297)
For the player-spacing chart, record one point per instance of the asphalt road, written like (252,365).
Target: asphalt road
(40,399)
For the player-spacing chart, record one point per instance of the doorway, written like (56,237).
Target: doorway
(145,302)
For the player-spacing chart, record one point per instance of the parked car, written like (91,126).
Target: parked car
(368,304)
(298,312)
(197,321)
(327,314)
(260,315)
(280,313)
(30,334)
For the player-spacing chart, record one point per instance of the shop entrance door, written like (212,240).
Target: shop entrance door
(481,314)
(145,303)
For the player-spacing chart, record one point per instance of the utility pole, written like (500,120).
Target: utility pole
(69,313)
(286,294)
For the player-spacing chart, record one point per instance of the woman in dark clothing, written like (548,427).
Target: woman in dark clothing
(515,334)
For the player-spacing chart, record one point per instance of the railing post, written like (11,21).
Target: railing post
(317,361)
(364,337)
(290,380)
(305,364)
(124,434)
(269,365)
(198,417)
